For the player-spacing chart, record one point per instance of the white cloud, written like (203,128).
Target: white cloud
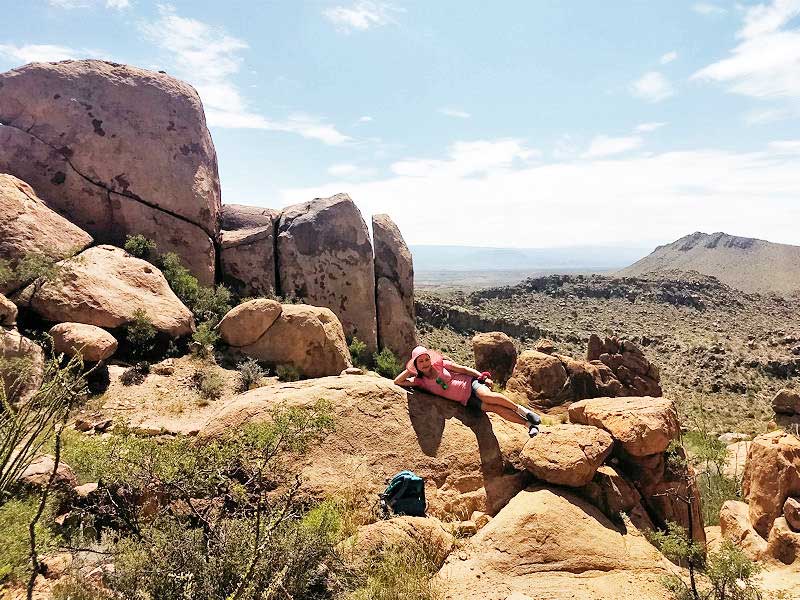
(209,58)
(365,119)
(648,127)
(660,197)
(455,112)
(362,15)
(118,4)
(668,57)
(469,158)
(768,115)
(70,4)
(706,8)
(766,62)
(603,145)
(44,53)
(653,87)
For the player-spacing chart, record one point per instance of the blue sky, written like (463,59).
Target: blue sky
(527,124)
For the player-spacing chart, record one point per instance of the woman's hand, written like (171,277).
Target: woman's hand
(403,379)
(488,381)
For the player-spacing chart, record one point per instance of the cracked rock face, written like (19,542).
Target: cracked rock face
(247,253)
(117,150)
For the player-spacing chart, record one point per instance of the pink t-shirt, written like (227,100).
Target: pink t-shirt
(459,385)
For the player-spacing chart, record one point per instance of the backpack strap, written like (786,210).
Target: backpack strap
(400,491)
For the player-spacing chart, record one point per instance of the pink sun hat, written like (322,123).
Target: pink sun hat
(437,359)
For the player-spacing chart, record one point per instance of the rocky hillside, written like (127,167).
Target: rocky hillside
(744,263)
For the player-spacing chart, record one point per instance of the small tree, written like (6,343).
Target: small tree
(386,363)
(140,247)
(140,334)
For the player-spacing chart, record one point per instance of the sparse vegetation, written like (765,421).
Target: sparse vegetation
(208,383)
(136,374)
(141,247)
(140,334)
(207,304)
(386,363)
(287,373)
(205,337)
(400,573)
(250,374)
(359,354)
(15,515)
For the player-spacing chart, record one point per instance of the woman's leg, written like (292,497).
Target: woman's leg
(492,400)
(508,415)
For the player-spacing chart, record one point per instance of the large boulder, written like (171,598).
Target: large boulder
(8,312)
(29,227)
(613,494)
(244,324)
(786,402)
(771,475)
(116,149)
(639,377)
(309,338)
(539,379)
(783,543)
(21,365)
(567,454)
(495,352)
(791,512)
(467,460)
(104,286)
(735,526)
(234,217)
(37,474)
(247,256)
(642,425)
(325,259)
(539,544)
(394,276)
(92,343)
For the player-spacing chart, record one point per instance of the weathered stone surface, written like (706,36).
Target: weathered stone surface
(92,343)
(394,274)
(786,402)
(247,256)
(567,454)
(325,259)
(467,460)
(791,512)
(642,425)
(611,493)
(8,312)
(735,526)
(21,365)
(771,475)
(28,226)
(543,533)
(244,324)
(38,473)
(783,543)
(309,338)
(639,377)
(539,379)
(103,286)
(495,352)
(242,216)
(116,149)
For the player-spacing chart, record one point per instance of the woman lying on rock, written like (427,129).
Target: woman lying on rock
(430,371)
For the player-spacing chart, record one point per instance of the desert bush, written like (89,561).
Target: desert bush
(386,363)
(206,337)
(207,304)
(6,272)
(209,383)
(359,354)
(75,588)
(250,374)
(140,247)
(140,334)
(15,515)
(212,303)
(287,373)
(709,457)
(399,573)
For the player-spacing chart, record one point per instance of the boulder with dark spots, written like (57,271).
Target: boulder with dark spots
(325,259)
(241,216)
(638,376)
(118,150)
(247,254)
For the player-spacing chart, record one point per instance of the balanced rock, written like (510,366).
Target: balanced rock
(771,475)
(783,543)
(92,343)
(38,473)
(247,257)
(642,425)
(325,258)
(104,286)
(495,352)
(786,402)
(29,227)
(539,379)
(735,526)
(118,150)
(394,276)
(567,454)
(21,365)
(234,217)
(310,338)
(791,512)
(244,324)
(467,460)
(8,312)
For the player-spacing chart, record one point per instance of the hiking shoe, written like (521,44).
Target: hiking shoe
(533,431)
(533,418)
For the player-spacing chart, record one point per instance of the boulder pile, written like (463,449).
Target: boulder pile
(627,362)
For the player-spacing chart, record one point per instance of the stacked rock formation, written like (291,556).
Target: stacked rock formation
(495,352)
(247,249)
(628,364)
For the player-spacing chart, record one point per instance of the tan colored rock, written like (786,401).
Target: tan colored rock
(467,460)
(786,402)
(545,346)
(30,227)
(93,343)
(103,286)
(38,473)
(735,526)
(735,459)
(783,543)
(638,376)
(394,276)
(325,259)
(539,379)
(567,454)
(247,258)
(116,149)
(309,338)
(495,352)
(541,543)
(86,490)
(8,312)
(791,512)
(642,425)
(21,365)
(611,493)
(235,217)
(771,475)
(244,324)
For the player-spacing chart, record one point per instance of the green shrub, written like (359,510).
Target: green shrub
(250,374)
(33,266)
(209,383)
(75,588)
(287,372)
(6,272)
(206,338)
(359,354)
(207,304)
(211,304)
(140,334)
(399,573)
(386,363)
(15,515)
(140,247)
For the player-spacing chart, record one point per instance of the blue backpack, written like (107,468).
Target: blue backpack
(405,494)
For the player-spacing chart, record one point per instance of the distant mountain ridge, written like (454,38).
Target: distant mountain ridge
(748,264)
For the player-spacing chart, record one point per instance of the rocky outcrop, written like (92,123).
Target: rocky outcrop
(735,526)
(29,227)
(309,338)
(613,494)
(495,352)
(247,254)
(791,512)
(786,402)
(8,312)
(394,277)
(467,460)
(21,365)
(116,149)
(92,343)
(244,324)
(626,360)
(567,454)
(104,286)
(539,379)
(325,258)
(783,543)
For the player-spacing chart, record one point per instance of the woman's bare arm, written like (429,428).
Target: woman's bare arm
(403,379)
(465,370)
